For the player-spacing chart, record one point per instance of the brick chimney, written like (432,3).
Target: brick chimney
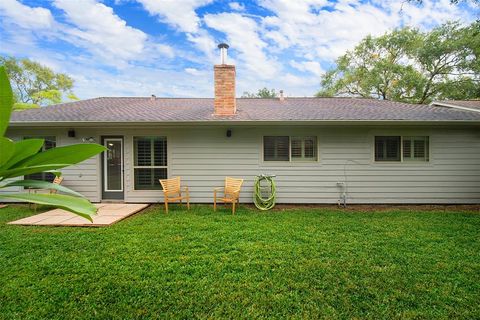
(224,77)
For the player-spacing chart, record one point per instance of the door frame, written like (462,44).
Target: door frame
(113,194)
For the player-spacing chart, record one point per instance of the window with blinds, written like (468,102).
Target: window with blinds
(285,148)
(150,162)
(49,143)
(304,149)
(397,148)
(276,148)
(387,148)
(415,148)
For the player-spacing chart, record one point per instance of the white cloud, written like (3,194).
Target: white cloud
(243,35)
(163,50)
(101,30)
(142,81)
(25,16)
(236,6)
(301,34)
(205,43)
(311,30)
(192,71)
(93,80)
(178,13)
(431,13)
(308,66)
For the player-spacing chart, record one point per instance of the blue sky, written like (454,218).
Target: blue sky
(168,47)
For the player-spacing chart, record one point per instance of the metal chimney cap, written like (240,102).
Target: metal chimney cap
(223,45)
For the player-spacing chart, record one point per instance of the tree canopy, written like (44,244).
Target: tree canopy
(36,85)
(261,93)
(411,66)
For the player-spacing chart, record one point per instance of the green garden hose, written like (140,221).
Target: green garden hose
(264,200)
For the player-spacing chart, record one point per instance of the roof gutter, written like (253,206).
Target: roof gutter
(454,106)
(240,123)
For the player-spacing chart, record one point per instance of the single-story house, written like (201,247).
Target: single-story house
(320,149)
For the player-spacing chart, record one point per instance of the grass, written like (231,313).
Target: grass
(297,263)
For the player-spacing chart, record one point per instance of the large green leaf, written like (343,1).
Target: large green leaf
(36,184)
(7,149)
(68,154)
(6,101)
(17,172)
(23,150)
(79,206)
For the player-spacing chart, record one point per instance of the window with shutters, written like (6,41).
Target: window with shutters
(387,148)
(304,149)
(285,148)
(415,148)
(49,143)
(399,148)
(276,148)
(150,162)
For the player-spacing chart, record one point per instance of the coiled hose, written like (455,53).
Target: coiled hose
(268,202)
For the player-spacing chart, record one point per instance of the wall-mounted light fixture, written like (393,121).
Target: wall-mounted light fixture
(71,133)
(229,133)
(88,139)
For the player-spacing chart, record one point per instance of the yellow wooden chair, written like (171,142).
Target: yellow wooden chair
(57,180)
(172,191)
(231,193)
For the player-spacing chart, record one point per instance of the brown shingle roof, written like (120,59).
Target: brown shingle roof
(120,109)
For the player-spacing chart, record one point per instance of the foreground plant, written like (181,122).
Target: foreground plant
(20,158)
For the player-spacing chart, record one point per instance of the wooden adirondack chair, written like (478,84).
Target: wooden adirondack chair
(57,180)
(231,193)
(172,191)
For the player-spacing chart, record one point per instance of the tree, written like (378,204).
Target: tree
(261,93)
(20,158)
(36,85)
(411,66)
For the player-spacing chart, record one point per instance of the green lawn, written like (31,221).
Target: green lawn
(301,263)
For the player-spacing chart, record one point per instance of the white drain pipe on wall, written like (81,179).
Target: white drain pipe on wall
(344,184)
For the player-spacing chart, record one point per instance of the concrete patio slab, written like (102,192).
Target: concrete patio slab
(107,214)
(53,220)
(55,212)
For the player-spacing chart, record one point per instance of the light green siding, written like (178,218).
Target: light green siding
(203,156)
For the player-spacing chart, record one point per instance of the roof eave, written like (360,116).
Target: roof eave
(238,122)
(454,106)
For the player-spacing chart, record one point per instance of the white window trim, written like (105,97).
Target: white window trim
(402,161)
(105,187)
(412,148)
(289,161)
(303,158)
(147,167)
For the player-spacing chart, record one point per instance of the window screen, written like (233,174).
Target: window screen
(276,148)
(387,148)
(150,162)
